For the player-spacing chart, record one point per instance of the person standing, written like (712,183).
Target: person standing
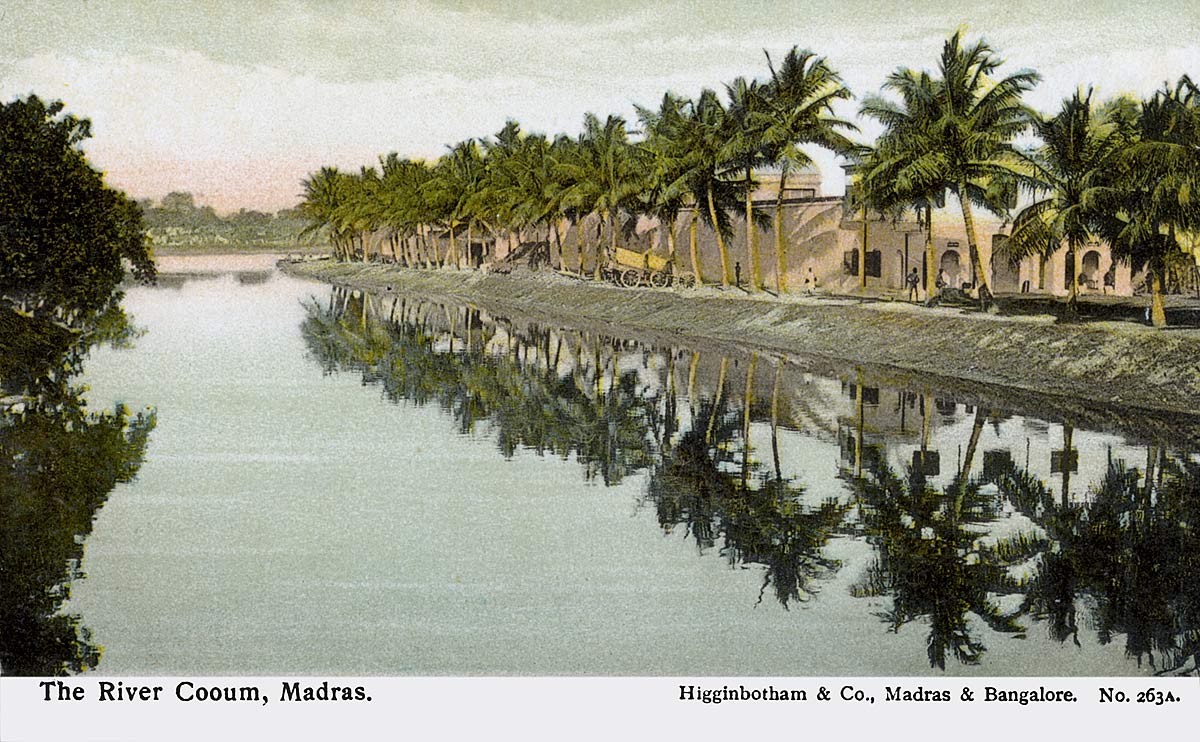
(913,281)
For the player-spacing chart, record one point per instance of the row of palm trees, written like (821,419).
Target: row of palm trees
(1121,170)
(1125,171)
(697,155)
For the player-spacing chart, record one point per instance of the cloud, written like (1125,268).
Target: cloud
(227,99)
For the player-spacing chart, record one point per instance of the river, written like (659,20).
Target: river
(380,485)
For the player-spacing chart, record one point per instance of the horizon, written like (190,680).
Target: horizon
(177,95)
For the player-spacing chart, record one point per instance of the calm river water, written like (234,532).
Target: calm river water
(340,484)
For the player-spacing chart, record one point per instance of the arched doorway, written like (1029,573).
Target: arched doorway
(1090,272)
(952,265)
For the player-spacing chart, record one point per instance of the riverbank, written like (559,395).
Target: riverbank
(1109,363)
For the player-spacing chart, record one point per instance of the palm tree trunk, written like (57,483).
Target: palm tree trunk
(1073,289)
(671,244)
(1158,314)
(752,236)
(747,403)
(780,238)
(694,246)
(470,254)
(596,271)
(931,269)
(558,243)
(712,214)
(579,244)
(985,293)
(716,405)
(862,254)
(612,226)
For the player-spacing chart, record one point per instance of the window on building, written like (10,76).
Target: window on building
(874,263)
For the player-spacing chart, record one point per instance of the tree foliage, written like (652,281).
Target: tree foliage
(65,236)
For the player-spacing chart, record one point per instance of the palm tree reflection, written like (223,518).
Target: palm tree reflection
(1121,558)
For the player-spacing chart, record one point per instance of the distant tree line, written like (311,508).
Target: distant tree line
(177,220)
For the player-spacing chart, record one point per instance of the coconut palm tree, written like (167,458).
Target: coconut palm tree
(797,110)
(604,175)
(563,149)
(703,134)
(1151,203)
(404,208)
(1079,145)
(324,191)
(666,193)
(962,138)
(454,179)
(900,171)
(744,151)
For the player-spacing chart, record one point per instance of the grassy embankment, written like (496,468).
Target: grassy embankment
(1096,364)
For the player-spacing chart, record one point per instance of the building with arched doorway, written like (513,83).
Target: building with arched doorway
(823,246)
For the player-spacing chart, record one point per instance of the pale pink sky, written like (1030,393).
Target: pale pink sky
(238,101)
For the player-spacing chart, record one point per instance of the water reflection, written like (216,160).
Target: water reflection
(58,464)
(985,521)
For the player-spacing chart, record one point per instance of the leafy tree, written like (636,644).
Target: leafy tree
(64,235)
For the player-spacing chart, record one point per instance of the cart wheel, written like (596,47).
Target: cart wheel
(631,278)
(660,280)
(687,282)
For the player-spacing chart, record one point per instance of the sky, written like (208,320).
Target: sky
(238,101)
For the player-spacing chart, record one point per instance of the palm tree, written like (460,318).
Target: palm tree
(666,192)
(961,138)
(901,171)
(743,152)
(404,207)
(1079,145)
(455,178)
(604,175)
(703,133)
(324,191)
(798,109)
(493,202)
(1150,202)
